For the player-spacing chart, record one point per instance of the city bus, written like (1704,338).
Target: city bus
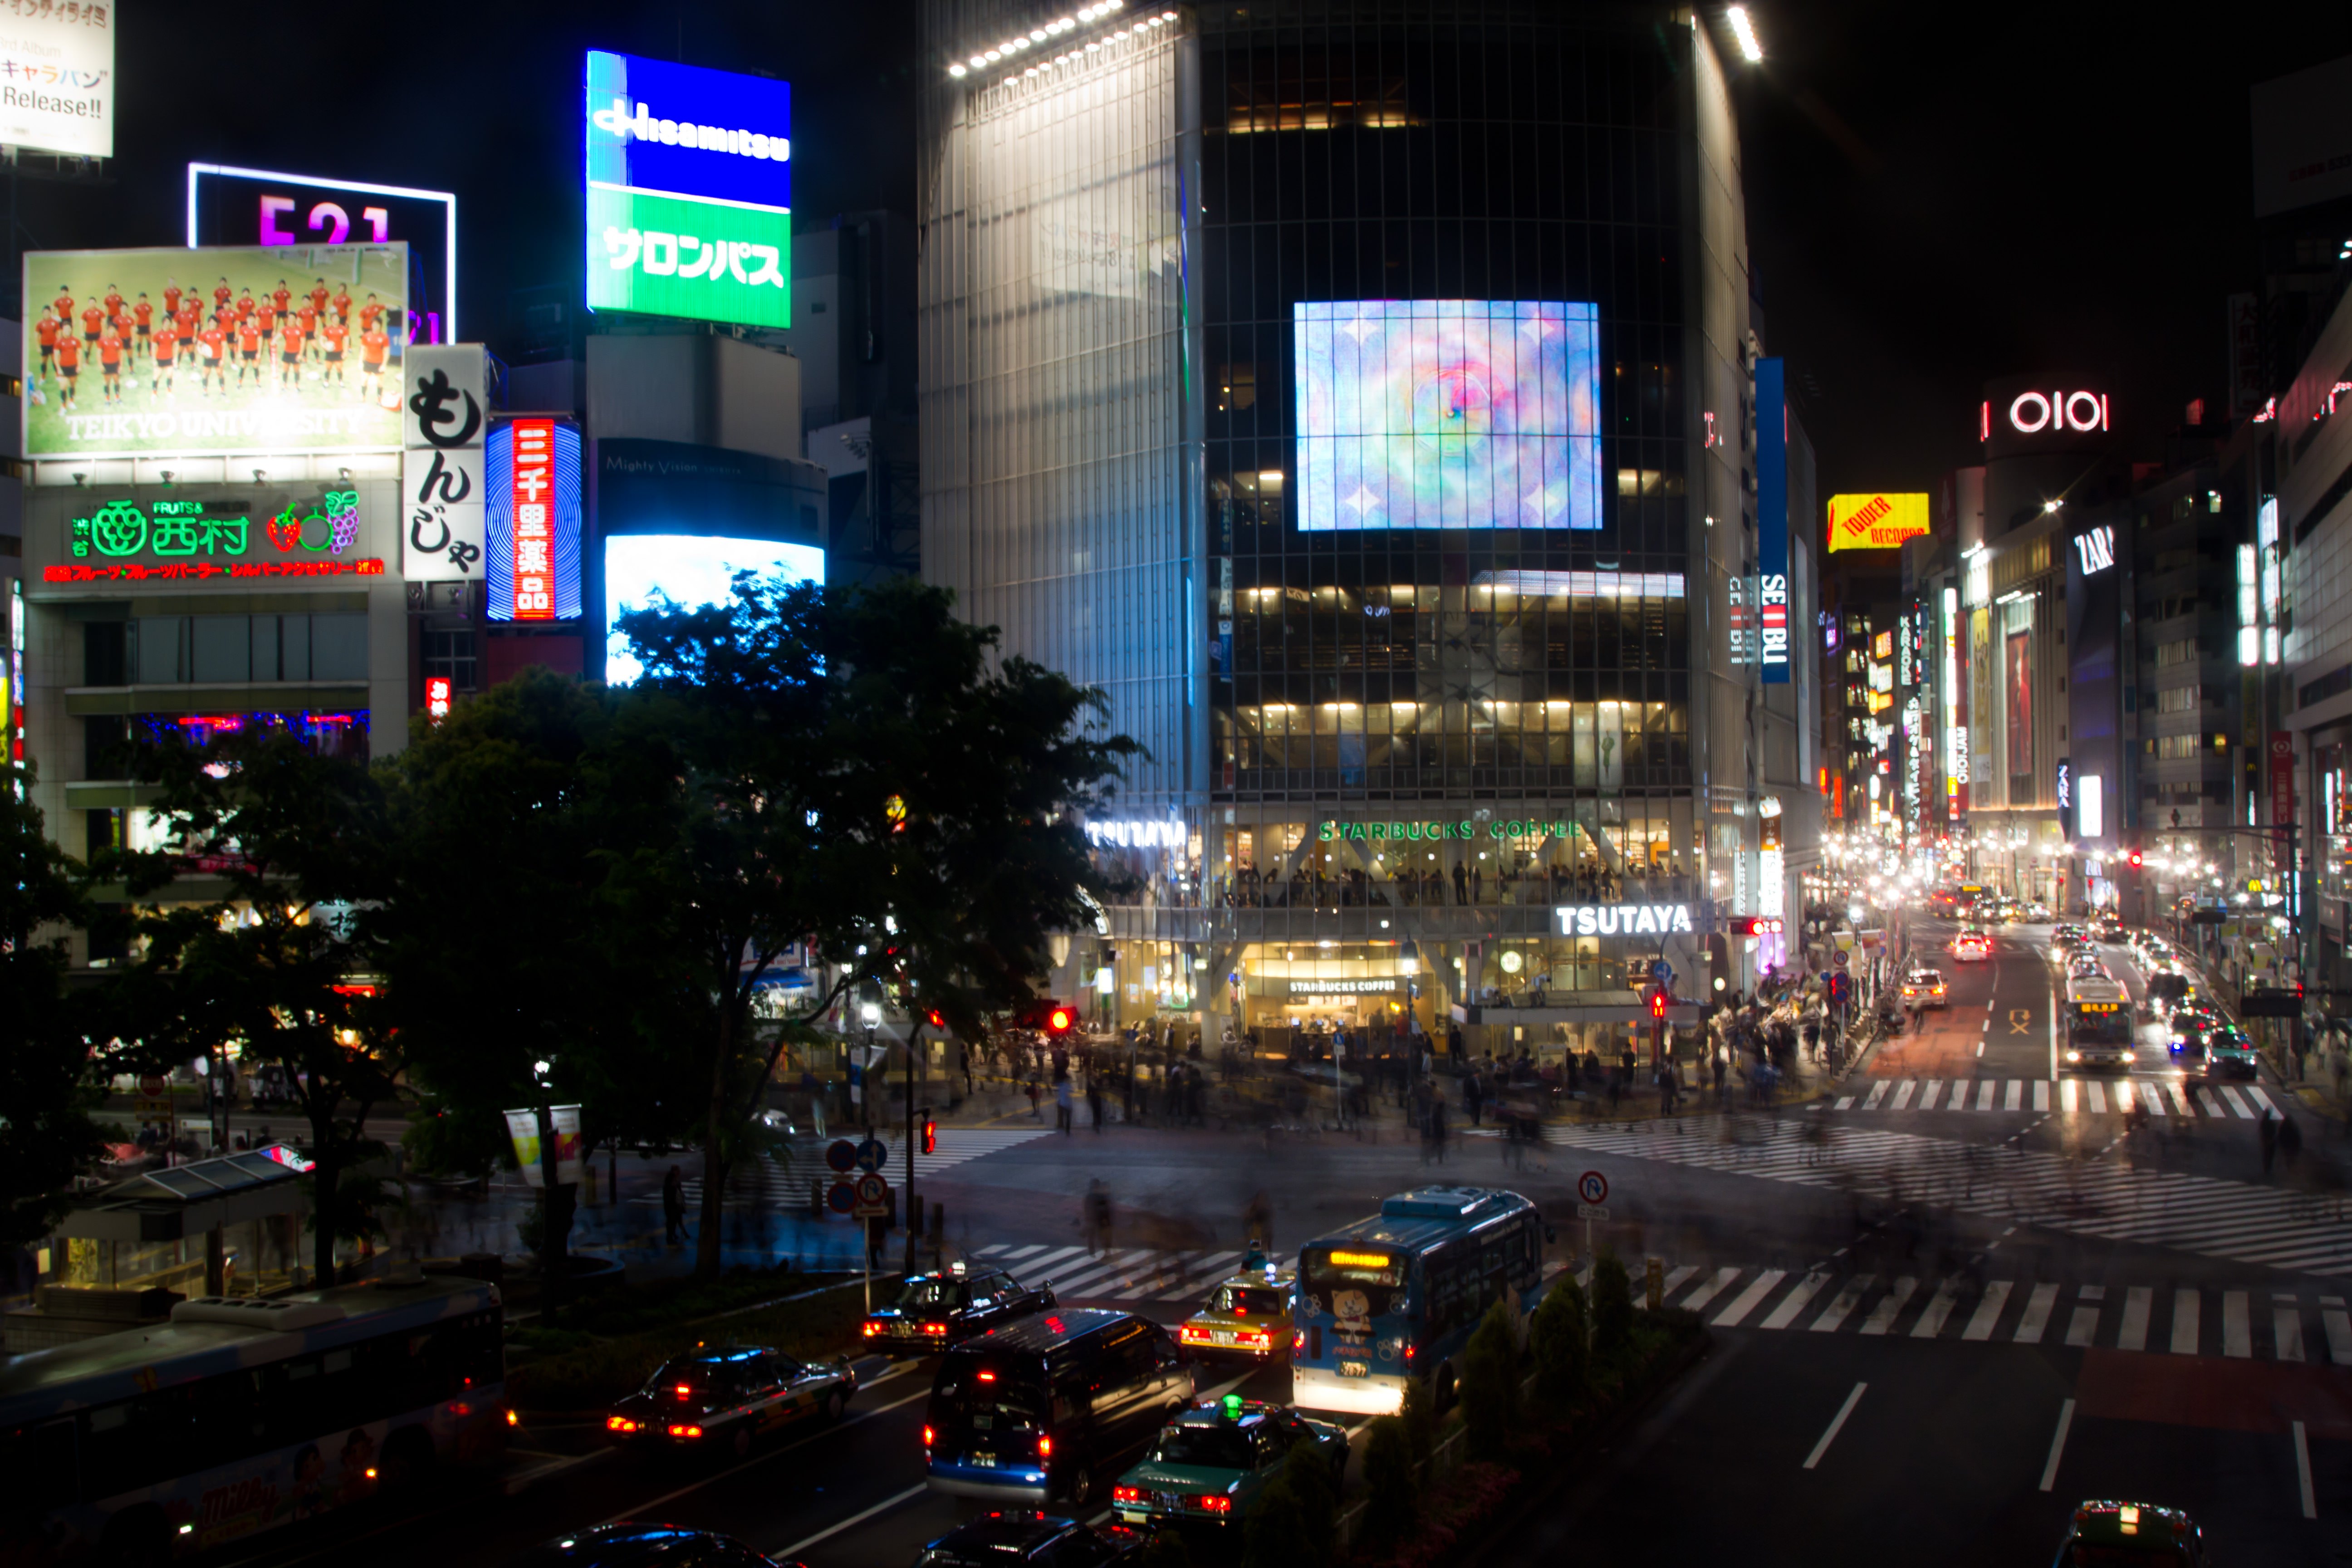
(1397,1295)
(2098,1023)
(240,1414)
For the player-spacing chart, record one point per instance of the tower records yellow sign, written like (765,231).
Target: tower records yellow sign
(1875,521)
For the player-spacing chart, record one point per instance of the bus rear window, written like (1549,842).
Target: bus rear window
(1330,1265)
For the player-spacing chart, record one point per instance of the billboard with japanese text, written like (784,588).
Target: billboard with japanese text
(217,351)
(57,77)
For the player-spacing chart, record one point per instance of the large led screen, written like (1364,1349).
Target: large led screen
(692,570)
(1448,413)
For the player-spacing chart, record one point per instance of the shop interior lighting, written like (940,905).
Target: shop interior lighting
(1745,31)
(1019,47)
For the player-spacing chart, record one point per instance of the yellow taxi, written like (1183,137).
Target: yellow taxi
(1248,1315)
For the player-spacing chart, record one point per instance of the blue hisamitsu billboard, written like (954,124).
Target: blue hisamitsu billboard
(689,192)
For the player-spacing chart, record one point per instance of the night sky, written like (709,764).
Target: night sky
(1937,196)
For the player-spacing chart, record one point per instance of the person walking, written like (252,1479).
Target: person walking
(2267,1130)
(674,1206)
(2290,1141)
(1437,1124)
(1063,1106)
(1095,1099)
(1097,1217)
(1474,1095)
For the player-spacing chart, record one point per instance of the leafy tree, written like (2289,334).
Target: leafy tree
(1490,1381)
(1560,1337)
(852,772)
(1419,1412)
(46,1087)
(1392,1486)
(1295,1521)
(521,973)
(273,967)
(1613,1311)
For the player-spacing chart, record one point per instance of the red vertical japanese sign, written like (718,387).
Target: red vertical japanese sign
(2281,782)
(532,476)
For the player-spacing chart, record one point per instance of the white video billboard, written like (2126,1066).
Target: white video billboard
(692,570)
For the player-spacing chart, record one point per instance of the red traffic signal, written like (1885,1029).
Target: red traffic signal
(1058,1021)
(930,1136)
(938,1019)
(1658,1003)
(1757,925)
(2135,859)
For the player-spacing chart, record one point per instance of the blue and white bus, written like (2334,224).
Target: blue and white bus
(238,1415)
(1397,1296)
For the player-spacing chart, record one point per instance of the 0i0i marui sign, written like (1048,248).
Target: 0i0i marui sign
(689,192)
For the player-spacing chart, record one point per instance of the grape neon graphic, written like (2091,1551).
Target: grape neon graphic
(1448,413)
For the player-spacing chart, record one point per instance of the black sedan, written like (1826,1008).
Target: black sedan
(645,1546)
(1011,1536)
(936,1311)
(729,1399)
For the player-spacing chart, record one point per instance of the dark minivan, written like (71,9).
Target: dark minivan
(1049,1407)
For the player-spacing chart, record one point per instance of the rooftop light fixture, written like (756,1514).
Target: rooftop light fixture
(1745,31)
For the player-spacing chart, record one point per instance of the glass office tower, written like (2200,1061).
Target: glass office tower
(1359,393)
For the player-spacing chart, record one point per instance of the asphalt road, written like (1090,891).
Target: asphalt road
(1983,1276)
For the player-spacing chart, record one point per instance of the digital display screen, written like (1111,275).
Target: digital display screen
(1448,413)
(692,570)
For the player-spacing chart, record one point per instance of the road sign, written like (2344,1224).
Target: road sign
(155,1087)
(1591,1211)
(872,1195)
(873,1154)
(841,1156)
(841,1198)
(1839,958)
(1662,972)
(1592,1187)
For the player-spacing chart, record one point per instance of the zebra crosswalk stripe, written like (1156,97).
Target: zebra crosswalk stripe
(1939,1307)
(2338,1325)
(1781,1316)
(1841,1306)
(2037,1314)
(1731,1317)
(2076,1097)
(1988,1312)
(1710,1290)
(2016,1088)
(2185,1308)
(1882,1317)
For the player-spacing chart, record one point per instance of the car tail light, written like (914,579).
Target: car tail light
(1045,1447)
(1213,1502)
(617,1424)
(1196,1335)
(685,1391)
(1127,1494)
(514,1418)
(1252,1339)
(930,1437)
(686,1431)
(1297,1341)
(872,1328)
(1408,1356)
(936,1330)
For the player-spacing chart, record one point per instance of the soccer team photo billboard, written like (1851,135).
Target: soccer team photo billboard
(209,352)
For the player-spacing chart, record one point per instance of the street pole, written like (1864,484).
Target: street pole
(908,1210)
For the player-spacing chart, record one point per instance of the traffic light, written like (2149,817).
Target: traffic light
(1755,925)
(1658,1002)
(930,1136)
(1841,988)
(1059,1019)
(939,1020)
(2135,859)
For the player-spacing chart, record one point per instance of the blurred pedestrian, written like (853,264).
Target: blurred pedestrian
(1097,1217)
(2267,1130)
(1474,1095)
(1095,1099)
(674,1206)
(1062,1104)
(2290,1141)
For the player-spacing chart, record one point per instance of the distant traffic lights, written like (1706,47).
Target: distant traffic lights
(2135,859)
(1755,925)
(1840,990)
(939,1020)
(930,1136)
(1658,1002)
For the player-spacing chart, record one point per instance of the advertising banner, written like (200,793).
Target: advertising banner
(286,352)
(1772,519)
(1875,521)
(445,430)
(261,206)
(317,531)
(56,78)
(2281,782)
(522,1128)
(533,534)
(2018,671)
(689,192)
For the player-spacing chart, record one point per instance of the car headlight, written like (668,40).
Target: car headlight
(2131,1055)
(2073,1056)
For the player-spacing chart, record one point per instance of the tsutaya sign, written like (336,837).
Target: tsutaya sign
(1622,919)
(1394,831)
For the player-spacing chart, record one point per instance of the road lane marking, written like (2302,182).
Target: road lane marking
(2069,1095)
(2015,1099)
(2237,1105)
(2180,1099)
(1987,1004)
(2259,1098)
(2338,1325)
(2152,1096)
(2237,1332)
(2138,1302)
(1845,1102)
(2187,1305)
(1882,1317)
(2083,1326)
(1855,1398)
(884,1506)
(2213,1106)
(2123,1096)
(1877,1093)
(2057,1445)
(2303,1472)
(2038,1306)
(2098,1093)
(2042,1094)
(1984,1090)
(1849,1297)
(1938,1307)
(2287,1331)
(1711,1289)
(1902,1095)
(1781,1316)
(1927,1095)
(1979,1052)
(850,1420)
(1747,1301)
(1989,1311)
(1673,1282)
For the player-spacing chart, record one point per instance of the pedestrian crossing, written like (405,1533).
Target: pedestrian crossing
(2065,1096)
(786,1182)
(2285,1226)
(2252,1324)
(1129,1274)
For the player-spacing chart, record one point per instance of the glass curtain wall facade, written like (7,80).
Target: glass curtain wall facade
(1467,351)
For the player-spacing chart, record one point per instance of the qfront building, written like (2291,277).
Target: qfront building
(1366,399)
